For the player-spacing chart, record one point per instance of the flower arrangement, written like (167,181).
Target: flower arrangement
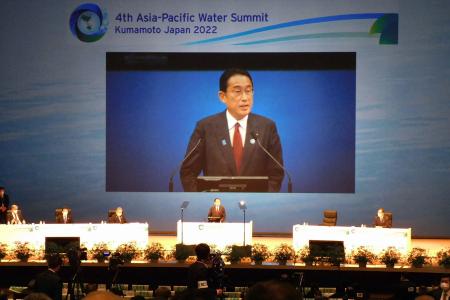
(443,257)
(417,257)
(154,252)
(22,251)
(260,253)
(305,256)
(283,253)
(390,257)
(127,252)
(362,256)
(3,250)
(98,251)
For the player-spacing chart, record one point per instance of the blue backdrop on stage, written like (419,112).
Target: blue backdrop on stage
(76,131)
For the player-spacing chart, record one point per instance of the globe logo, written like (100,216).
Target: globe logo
(88,23)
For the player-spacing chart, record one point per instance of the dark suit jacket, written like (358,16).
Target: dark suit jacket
(214,155)
(387,222)
(115,219)
(5,202)
(437,294)
(60,219)
(221,214)
(50,283)
(9,217)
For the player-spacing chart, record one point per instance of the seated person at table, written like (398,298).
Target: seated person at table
(15,215)
(381,220)
(117,217)
(64,216)
(217,212)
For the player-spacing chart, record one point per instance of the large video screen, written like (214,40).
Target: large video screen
(154,101)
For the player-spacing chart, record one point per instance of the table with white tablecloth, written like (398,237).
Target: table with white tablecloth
(375,239)
(218,234)
(88,233)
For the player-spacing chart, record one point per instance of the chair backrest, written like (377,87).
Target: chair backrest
(111,212)
(388,216)
(329,217)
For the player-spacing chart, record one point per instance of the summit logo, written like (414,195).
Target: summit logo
(88,22)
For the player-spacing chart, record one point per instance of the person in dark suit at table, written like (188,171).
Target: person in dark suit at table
(65,217)
(381,220)
(15,215)
(49,282)
(443,293)
(4,205)
(118,217)
(217,212)
(225,143)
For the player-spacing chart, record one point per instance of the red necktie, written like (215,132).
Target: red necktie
(237,147)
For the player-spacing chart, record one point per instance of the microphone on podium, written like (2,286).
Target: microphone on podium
(179,166)
(255,135)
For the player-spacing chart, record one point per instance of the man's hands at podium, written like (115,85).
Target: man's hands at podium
(215,219)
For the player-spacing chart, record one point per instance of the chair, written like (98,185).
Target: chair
(140,287)
(388,216)
(329,217)
(147,294)
(179,288)
(111,212)
(229,295)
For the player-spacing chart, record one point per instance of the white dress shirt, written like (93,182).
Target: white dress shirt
(242,127)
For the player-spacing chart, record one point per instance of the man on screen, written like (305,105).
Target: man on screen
(225,144)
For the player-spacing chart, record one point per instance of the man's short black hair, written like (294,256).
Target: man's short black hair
(223,83)
(54,261)
(202,251)
(2,188)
